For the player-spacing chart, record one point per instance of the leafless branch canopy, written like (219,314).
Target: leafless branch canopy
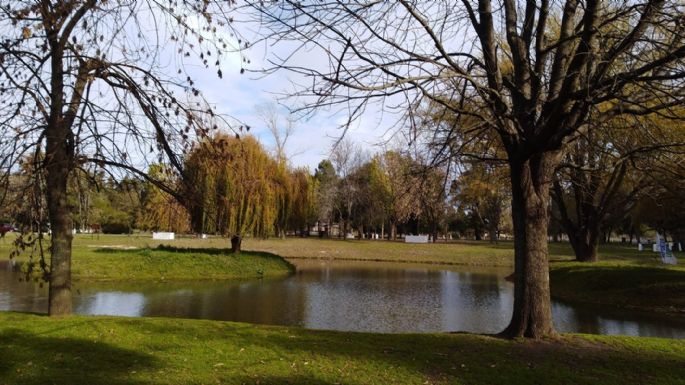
(532,71)
(113,75)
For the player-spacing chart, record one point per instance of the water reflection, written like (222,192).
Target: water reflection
(102,303)
(595,320)
(342,296)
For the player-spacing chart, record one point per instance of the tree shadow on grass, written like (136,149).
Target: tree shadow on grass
(186,250)
(444,358)
(611,277)
(297,379)
(214,251)
(27,359)
(439,359)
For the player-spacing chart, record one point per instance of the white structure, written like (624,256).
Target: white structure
(163,236)
(665,252)
(416,239)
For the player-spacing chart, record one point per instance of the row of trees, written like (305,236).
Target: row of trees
(235,187)
(610,180)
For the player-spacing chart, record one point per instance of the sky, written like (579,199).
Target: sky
(240,95)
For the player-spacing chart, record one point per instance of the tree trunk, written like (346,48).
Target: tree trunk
(532,316)
(393,231)
(586,252)
(584,243)
(59,152)
(59,301)
(236,242)
(583,235)
(493,235)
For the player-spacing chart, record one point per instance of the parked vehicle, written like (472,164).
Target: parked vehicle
(7,228)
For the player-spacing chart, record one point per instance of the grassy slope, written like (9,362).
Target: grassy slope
(110,350)
(176,264)
(106,258)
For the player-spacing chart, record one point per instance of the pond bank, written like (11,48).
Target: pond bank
(658,289)
(624,277)
(112,350)
(166,263)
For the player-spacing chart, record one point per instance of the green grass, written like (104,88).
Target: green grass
(113,258)
(111,350)
(659,289)
(164,263)
(456,253)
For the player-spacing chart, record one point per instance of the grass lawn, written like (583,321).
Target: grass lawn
(112,257)
(111,350)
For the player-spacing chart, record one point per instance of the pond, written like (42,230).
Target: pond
(348,296)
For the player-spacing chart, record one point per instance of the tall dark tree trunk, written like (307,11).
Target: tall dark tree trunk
(57,158)
(59,153)
(584,242)
(236,242)
(584,234)
(586,251)
(530,181)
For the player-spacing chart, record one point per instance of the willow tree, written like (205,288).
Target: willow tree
(231,188)
(161,210)
(304,201)
(536,71)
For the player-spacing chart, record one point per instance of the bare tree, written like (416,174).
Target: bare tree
(532,71)
(90,84)
(347,157)
(281,128)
